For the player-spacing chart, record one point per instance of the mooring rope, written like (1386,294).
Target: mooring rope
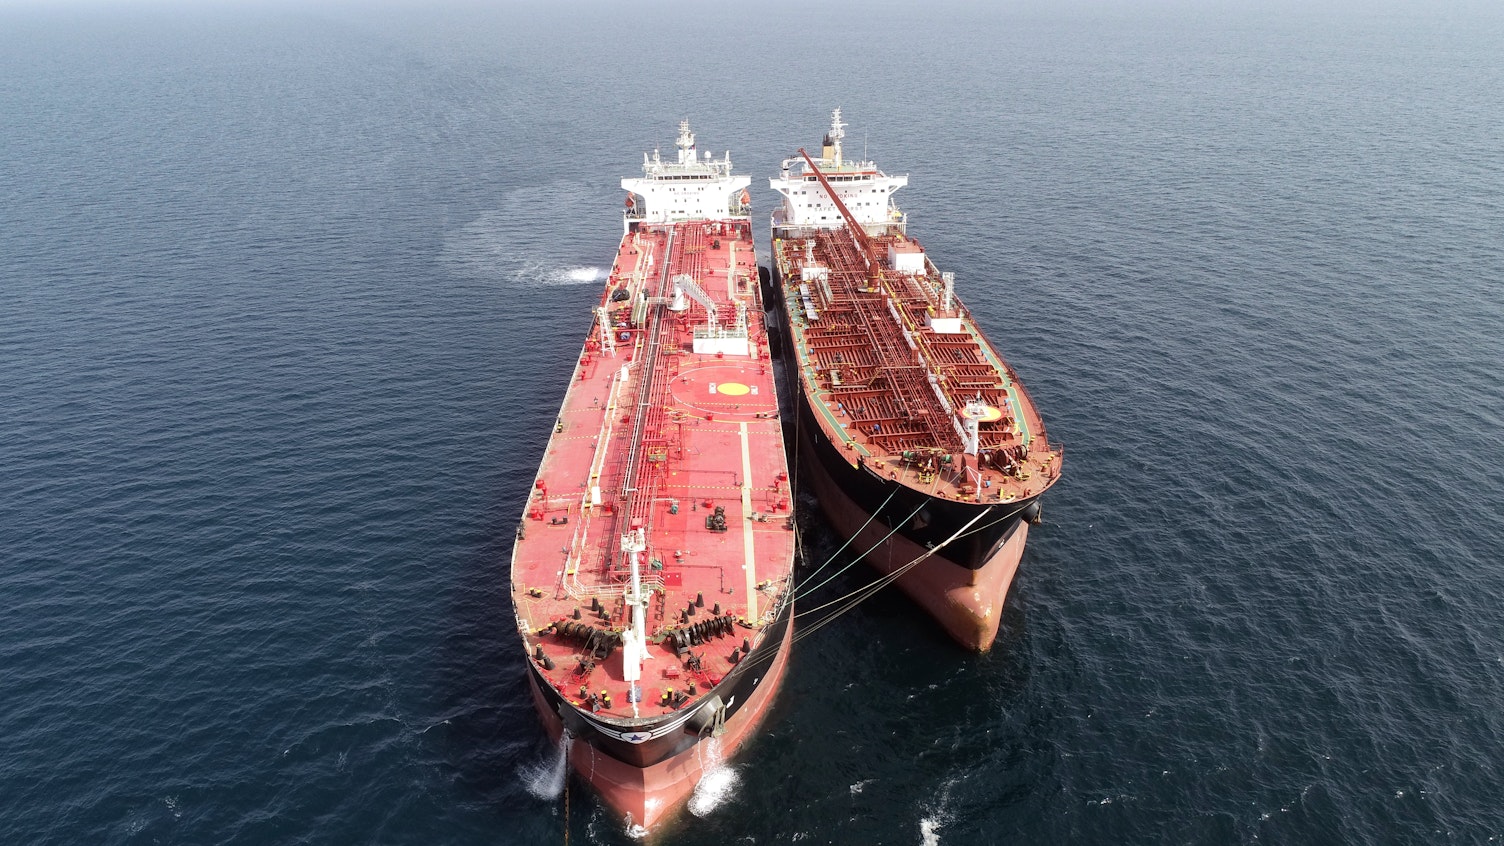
(852,562)
(986,526)
(870,518)
(869,590)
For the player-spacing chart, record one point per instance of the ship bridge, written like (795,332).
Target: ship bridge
(866,191)
(693,187)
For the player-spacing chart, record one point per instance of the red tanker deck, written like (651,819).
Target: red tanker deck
(652,570)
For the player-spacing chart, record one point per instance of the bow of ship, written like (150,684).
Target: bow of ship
(652,570)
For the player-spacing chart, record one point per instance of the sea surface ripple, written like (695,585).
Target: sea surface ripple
(288,298)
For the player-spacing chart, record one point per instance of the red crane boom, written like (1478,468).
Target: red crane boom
(858,234)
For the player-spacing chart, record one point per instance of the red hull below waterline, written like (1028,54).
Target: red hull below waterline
(966,602)
(927,452)
(652,796)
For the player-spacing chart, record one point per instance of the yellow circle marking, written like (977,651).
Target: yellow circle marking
(992,414)
(732,389)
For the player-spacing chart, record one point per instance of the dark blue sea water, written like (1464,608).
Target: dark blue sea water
(288,296)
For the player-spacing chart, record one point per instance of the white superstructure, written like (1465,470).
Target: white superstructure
(866,191)
(692,188)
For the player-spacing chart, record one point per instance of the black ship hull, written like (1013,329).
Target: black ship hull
(649,780)
(966,551)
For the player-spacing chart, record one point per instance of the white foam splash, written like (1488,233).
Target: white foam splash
(583,274)
(717,783)
(534,273)
(510,246)
(938,814)
(929,831)
(714,788)
(545,780)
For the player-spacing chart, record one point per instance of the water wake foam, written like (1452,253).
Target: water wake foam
(523,241)
(938,815)
(718,781)
(583,274)
(545,780)
(543,273)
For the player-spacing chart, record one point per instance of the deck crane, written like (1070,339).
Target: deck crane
(858,234)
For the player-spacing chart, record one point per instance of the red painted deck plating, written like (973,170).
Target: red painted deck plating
(675,457)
